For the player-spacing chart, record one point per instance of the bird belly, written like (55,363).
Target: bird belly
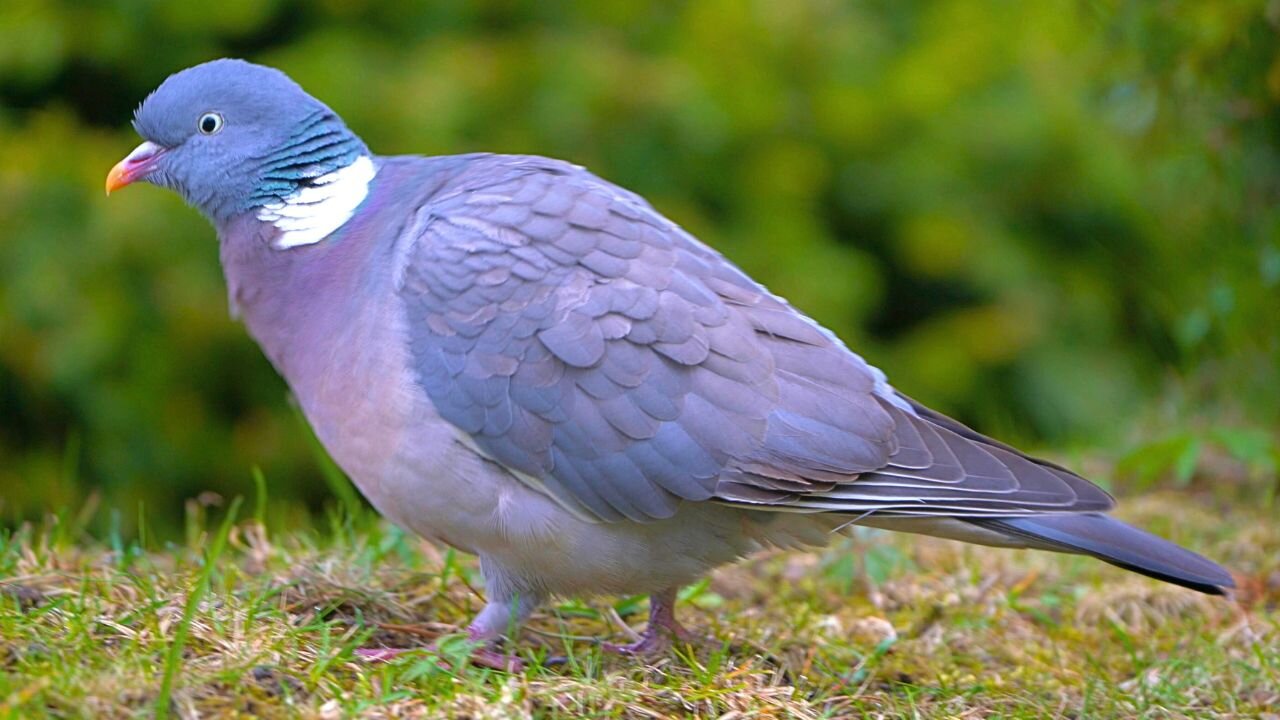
(588,558)
(444,491)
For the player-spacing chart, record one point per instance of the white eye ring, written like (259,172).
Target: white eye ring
(209,123)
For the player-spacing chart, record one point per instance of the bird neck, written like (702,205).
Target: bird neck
(314,182)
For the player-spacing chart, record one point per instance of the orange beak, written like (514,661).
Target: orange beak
(134,166)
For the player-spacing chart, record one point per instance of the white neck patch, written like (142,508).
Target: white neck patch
(312,213)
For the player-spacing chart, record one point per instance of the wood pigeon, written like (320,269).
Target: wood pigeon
(514,357)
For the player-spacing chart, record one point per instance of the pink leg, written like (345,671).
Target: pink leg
(662,629)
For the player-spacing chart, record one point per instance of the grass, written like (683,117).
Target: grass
(879,625)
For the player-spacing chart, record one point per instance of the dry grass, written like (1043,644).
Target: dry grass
(880,626)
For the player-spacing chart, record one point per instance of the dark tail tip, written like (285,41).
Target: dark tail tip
(1121,545)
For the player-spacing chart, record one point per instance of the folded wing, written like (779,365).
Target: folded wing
(577,337)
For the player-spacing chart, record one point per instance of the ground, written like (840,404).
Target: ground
(879,625)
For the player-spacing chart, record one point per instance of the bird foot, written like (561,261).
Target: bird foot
(481,657)
(655,640)
(647,646)
(494,660)
(663,628)
(381,655)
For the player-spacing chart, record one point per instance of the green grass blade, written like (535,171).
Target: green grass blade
(173,661)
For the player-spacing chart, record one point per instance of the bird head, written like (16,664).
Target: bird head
(231,136)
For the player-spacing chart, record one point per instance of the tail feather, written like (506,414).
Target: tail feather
(1118,543)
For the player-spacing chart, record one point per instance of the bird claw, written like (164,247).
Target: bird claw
(655,640)
(480,657)
(663,628)
(381,655)
(494,660)
(647,645)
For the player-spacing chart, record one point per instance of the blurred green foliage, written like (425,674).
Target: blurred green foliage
(1039,216)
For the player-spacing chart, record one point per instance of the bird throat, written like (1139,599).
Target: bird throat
(315,210)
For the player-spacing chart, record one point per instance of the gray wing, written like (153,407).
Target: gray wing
(583,341)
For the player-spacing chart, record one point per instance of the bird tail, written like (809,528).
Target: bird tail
(1118,543)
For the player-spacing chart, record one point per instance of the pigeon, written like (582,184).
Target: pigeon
(514,357)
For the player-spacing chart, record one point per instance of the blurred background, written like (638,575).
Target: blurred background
(1059,222)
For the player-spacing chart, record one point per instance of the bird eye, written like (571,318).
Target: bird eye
(210,123)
